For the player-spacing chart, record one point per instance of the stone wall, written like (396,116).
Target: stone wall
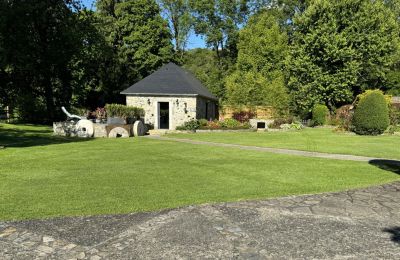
(181,109)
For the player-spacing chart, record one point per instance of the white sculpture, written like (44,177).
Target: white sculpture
(81,126)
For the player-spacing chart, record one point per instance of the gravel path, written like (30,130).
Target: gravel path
(357,224)
(345,157)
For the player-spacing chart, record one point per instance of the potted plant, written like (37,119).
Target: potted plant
(100,115)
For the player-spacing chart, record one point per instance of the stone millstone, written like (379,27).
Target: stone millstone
(118,132)
(139,129)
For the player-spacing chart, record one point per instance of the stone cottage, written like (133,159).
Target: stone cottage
(170,97)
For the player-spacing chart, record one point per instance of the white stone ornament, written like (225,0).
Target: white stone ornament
(139,129)
(118,132)
(84,128)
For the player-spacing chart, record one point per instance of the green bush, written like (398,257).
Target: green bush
(320,113)
(371,116)
(276,124)
(230,123)
(203,122)
(344,117)
(394,115)
(126,112)
(191,125)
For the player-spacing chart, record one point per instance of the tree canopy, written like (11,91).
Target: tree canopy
(259,52)
(259,78)
(341,48)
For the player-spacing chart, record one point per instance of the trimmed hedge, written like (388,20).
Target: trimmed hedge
(320,114)
(125,112)
(371,116)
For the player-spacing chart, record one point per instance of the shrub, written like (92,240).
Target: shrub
(394,115)
(213,125)
(230,123)
(203,122)
(320,114)
(243,116)
(344,117)
(126,112)
(280,121)
(191,125)
(371,116)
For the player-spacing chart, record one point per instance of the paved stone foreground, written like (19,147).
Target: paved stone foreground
(357,224)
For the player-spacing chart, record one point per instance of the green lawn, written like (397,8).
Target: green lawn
(310,139)
(42,176)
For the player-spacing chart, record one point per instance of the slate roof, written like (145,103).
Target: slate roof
(169,80)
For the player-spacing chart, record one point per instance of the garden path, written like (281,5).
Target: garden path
(345,157)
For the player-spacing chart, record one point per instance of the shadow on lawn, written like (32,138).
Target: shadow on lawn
(388,165)
(14,137)
(395,234)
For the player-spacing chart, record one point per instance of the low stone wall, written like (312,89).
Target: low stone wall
(69,128)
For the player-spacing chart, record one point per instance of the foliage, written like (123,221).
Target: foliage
(38,42)
(101,113)
(243,116)
(276,124)
(191,125)
(140,41)
(344,117)
(180,22)
(371,116)
(392,129)
(122,111)
(320,113)
(203,122)
(230,123)
(292,126)
(204,65)
(340,48)
(394,115)
(258,79)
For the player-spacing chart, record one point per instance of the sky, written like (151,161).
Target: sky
(193,42)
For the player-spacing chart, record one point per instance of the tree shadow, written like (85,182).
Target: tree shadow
(395,234)
(30,136)
(388,165)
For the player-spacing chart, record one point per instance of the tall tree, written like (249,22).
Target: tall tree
(341,48)
(218,21)
(259,78)
(204,65)
(180,21)
(39,42)
(140,41)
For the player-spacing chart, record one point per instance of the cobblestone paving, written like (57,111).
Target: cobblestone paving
(357,224)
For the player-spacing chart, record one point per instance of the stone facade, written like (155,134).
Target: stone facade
(181,109)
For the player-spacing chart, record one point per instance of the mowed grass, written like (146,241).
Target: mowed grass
(70,177)
(310,139)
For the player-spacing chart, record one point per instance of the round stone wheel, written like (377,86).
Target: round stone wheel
(84,128)
(139,128)
(118,132)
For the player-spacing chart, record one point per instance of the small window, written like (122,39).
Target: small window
(260,124)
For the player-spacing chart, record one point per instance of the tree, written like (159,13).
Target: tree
(38,42)
(219,22)
(259,79)
(204,65)
(180,21)
(340,48)
(139,38)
